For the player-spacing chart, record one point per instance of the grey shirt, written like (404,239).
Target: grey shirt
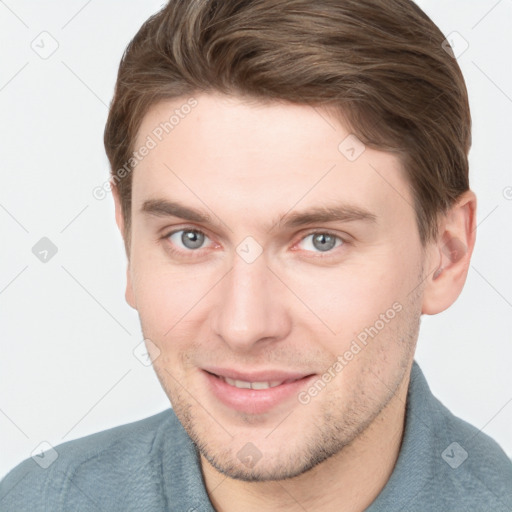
(444,464)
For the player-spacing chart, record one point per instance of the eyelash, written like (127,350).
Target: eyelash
(319,255)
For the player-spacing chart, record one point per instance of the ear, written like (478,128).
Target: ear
(118,208)
(452,250)
(129,295)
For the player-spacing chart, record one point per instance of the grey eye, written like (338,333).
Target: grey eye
(188,238)
(322,242)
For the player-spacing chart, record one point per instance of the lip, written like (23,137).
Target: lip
(254,401)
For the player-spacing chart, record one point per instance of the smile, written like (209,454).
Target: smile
(255,385)
(255,396)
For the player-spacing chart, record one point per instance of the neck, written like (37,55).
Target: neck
(347,482)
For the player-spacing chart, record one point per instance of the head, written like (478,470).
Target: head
(291,182)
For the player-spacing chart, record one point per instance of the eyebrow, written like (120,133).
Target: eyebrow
(318,214)
(340,213)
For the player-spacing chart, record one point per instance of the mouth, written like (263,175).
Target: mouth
(255,393)
(242,384)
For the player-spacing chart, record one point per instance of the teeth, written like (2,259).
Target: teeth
(261,385)
(242,384)
(252,385)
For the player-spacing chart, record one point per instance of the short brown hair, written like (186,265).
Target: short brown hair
(380,64)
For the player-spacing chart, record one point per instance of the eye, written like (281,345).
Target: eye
(191,240)
(321,241)
(187,239)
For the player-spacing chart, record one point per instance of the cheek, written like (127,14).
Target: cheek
(347,298)
(168,297)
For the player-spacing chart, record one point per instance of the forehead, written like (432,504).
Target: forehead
(262,158)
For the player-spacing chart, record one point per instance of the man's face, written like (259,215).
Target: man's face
(256,296)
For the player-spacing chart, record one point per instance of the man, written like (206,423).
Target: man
(291,182)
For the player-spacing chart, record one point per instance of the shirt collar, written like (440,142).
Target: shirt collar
(413,469)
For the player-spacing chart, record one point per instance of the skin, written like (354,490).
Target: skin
(295,307)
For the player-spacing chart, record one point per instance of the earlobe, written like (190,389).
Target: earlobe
(453,252)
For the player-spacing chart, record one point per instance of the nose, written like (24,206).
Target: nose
(250,307)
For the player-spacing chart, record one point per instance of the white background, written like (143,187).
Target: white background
(67,335)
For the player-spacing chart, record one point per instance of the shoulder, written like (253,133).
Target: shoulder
(78,469)
(471,467)
(445,463)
